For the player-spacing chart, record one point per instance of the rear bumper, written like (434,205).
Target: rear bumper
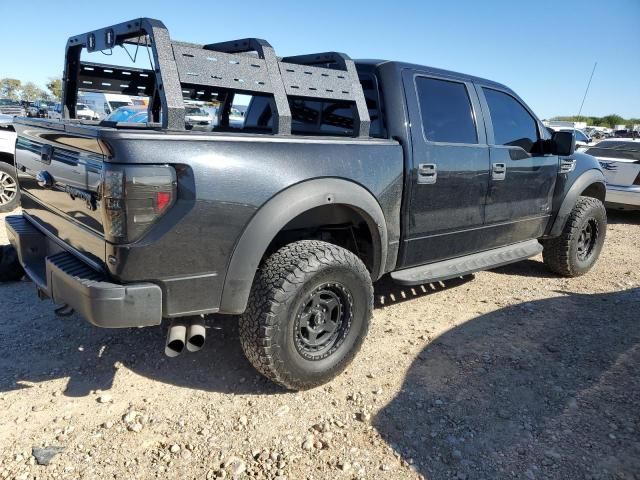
(629,196)
(67,280)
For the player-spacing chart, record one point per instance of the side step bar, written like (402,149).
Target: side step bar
(457,267)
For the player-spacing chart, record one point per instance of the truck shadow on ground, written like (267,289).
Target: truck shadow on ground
(545,389)
(36,346)
(629,217)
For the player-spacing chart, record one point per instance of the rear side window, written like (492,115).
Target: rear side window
(620,150)
(446,111)
(512,123)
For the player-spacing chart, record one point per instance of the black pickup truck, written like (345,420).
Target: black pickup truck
(338,173)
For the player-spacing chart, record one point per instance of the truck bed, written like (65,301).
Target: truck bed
(223,179)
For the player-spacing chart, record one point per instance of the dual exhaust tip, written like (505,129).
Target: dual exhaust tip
(185,334)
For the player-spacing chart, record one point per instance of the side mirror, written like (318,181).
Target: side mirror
(564,143)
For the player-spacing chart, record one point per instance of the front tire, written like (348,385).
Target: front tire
(308,314)
(9,192)
(575,251)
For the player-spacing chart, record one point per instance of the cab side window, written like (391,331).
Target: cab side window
(512,124)
(445,107)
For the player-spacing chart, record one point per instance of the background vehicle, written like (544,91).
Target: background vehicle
(9,192)
(620,161)
(83,112)
(55,113)
(11,107)
(198,118)
(102,104)
(39,109)
(582,139)
(340,172)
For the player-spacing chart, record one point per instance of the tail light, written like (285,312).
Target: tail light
(134,198)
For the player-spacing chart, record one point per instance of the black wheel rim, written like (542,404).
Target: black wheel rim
(323,321)
(587,239)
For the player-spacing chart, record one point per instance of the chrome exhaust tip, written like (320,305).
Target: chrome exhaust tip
(176,338)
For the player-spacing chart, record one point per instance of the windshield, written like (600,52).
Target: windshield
(80,106)
(581,137)
(4,102)
(117,104)
(195,112)
(123,113)
(140,117)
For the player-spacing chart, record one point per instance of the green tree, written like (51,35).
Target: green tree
(612,120)
(55,87)
(10,88)
(30,92)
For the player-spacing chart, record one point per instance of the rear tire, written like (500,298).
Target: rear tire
(575,251)
(9,191)
(10,268)
(307,315)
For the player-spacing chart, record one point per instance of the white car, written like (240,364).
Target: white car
(197,118)
(582,139)
(83,112)
(620,162)
(9,193)
(55,113)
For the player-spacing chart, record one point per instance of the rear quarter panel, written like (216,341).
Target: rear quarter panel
(223,182)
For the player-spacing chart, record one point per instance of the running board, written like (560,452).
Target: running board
(458,267)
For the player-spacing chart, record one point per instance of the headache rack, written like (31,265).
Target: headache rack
(204,72)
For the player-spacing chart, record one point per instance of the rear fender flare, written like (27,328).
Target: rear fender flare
(280,210)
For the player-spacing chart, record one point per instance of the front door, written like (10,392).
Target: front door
(449,174)
(523,178)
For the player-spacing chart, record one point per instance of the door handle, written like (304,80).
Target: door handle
(427,173)
(498,171)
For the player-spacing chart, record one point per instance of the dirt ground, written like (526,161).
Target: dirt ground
(513,373)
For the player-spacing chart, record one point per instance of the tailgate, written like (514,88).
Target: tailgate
(60,167)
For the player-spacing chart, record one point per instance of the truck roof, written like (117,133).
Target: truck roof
(377,63)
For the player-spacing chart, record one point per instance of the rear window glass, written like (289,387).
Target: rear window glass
(315,117)
(446,111)
(621,150)
(321,117)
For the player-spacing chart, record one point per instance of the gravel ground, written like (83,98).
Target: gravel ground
(513,373)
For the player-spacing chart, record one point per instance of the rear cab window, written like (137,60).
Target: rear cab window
(446,111)
(318,117)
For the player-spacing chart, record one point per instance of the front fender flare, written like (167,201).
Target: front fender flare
(280,210)
(585,179)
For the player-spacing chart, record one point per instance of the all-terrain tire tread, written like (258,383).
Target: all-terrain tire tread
(556,253)
(280,277)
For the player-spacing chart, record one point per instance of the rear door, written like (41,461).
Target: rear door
(450,170)
(522,179)
(61,168)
